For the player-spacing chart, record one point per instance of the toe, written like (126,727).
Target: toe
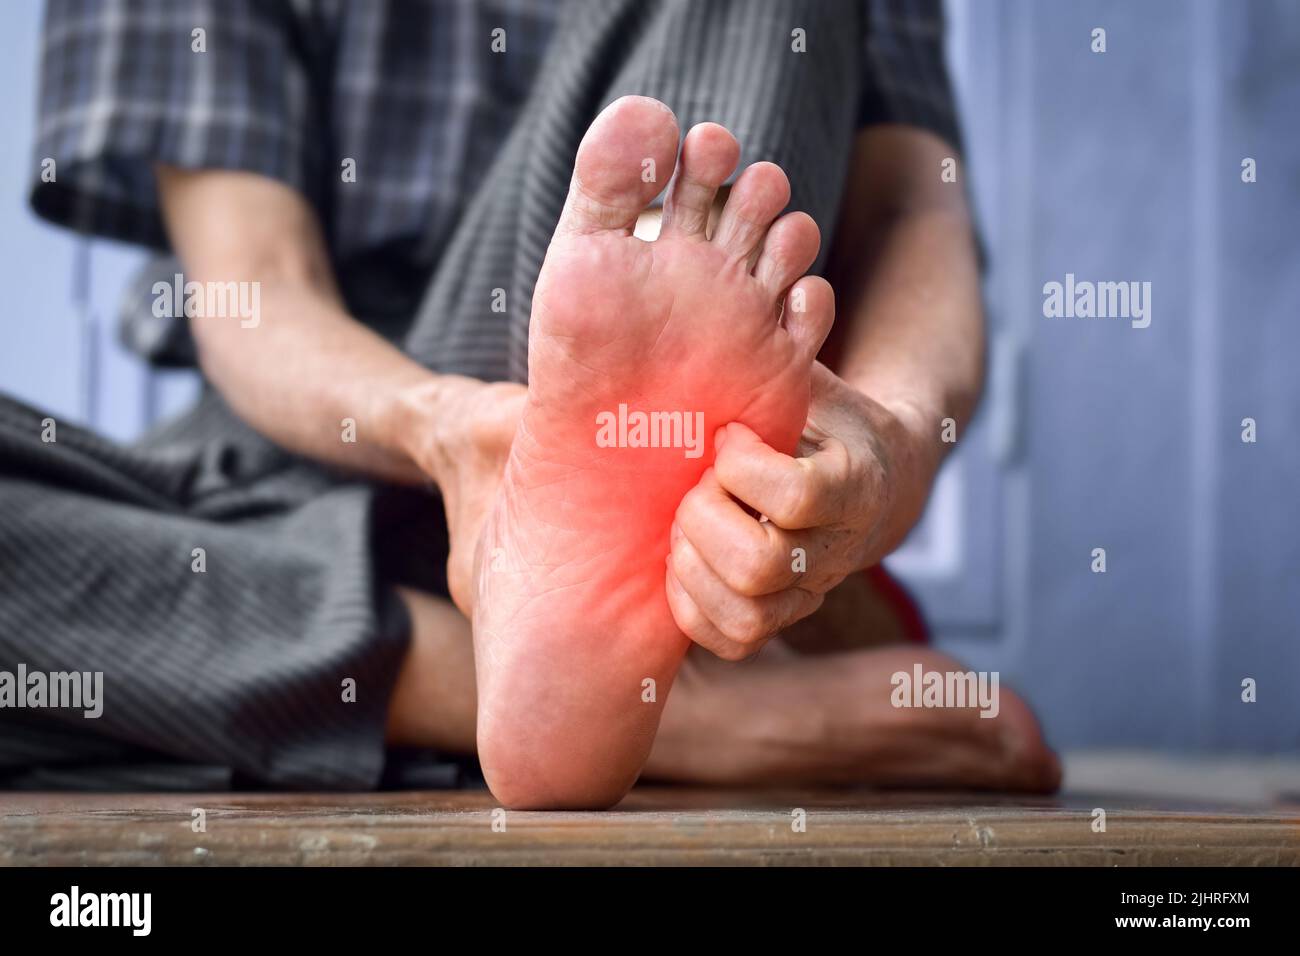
(808,313)
(709,156)
(758,197)
(789,249)
(622,164)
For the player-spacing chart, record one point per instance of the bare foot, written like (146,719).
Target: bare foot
(789,719)
(575,646)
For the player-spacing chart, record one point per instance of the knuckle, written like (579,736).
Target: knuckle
(691,620)
(694,506)
(686,561)
(748,626)
(676,565)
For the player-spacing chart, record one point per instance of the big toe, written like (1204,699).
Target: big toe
(623,162)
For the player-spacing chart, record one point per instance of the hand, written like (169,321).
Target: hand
(460,431)
(734,579)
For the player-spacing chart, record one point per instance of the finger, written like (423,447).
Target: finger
(752,557)
(794,493)
(694,624)
(749,622)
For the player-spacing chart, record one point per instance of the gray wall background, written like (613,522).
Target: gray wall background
(1116,166)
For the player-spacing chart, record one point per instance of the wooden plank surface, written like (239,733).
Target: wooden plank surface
(653,826)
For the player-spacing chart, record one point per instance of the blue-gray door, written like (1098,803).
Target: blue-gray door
(1128,165)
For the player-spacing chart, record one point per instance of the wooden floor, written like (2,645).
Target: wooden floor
(654,825)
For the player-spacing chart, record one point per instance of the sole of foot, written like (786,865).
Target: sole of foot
(638,352)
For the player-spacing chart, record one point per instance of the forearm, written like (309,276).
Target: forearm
(301,370)
(915,333)
(315,381)
(914,346)
(434,700)
(910,334)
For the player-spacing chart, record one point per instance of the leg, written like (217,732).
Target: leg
(228,607)
(433,701)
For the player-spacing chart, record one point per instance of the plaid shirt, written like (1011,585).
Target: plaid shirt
(410,91)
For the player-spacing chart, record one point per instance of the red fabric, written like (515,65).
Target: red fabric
(900,602)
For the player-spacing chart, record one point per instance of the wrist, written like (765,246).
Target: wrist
(912,449)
